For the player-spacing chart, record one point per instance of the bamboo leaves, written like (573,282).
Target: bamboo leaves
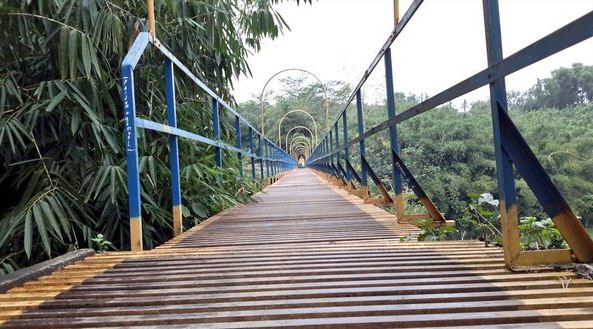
(61,84)
(77,55)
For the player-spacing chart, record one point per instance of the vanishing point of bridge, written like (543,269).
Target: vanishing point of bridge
(314,250)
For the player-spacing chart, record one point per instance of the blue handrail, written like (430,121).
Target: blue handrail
(510,147)
(275,159)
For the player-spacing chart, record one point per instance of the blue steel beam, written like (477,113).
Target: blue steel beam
(395,173)
(260,153)
(346,150)
(504,167)
(131,145)
(216,131)
(239,144)
(353,172)
(253,156)
(362,146)
(173,148)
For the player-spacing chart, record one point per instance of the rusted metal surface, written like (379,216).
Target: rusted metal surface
(306,255)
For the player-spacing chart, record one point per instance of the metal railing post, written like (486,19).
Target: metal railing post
(252,151)
(331,147)
(397,179)
(131,143)
(173,148)
(337,138)
(216,130)
(267,153)
(362,147)
(346,150)
(261,155)
(504,167)
(239,143)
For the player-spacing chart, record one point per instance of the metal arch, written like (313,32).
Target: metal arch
(301,154)
(301,138)
(294,111)
(299,144)
(293,128)
(325,103)
(301,150)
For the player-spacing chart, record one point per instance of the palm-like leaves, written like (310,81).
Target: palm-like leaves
(63,172)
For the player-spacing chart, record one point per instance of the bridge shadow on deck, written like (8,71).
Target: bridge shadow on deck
(306,255)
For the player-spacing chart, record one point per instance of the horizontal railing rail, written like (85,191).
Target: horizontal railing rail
(269,155)
(510,147)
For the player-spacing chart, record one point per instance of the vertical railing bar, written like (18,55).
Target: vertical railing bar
(131,143)
(261,156)
(362,146)
(173,148)
(396,175)
(216,130)
(346,149)
(252,151)
(239,143)
(504,167)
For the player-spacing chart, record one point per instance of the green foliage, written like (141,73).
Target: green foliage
(431,233)
(481,220)
(62,177)
(540,234)
(101,244)
(566,87)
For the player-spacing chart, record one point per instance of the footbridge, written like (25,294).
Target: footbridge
(315,249)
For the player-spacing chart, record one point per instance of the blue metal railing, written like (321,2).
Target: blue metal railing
(510,147)
(268,154)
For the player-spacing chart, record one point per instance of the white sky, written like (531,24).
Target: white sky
(442,44)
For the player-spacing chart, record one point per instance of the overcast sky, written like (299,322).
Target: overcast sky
(443,44)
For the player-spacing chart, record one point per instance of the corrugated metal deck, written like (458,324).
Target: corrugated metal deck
(307,255)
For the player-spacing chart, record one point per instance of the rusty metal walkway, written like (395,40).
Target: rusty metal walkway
(306,255)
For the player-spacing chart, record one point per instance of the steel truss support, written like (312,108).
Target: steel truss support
(510,148)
